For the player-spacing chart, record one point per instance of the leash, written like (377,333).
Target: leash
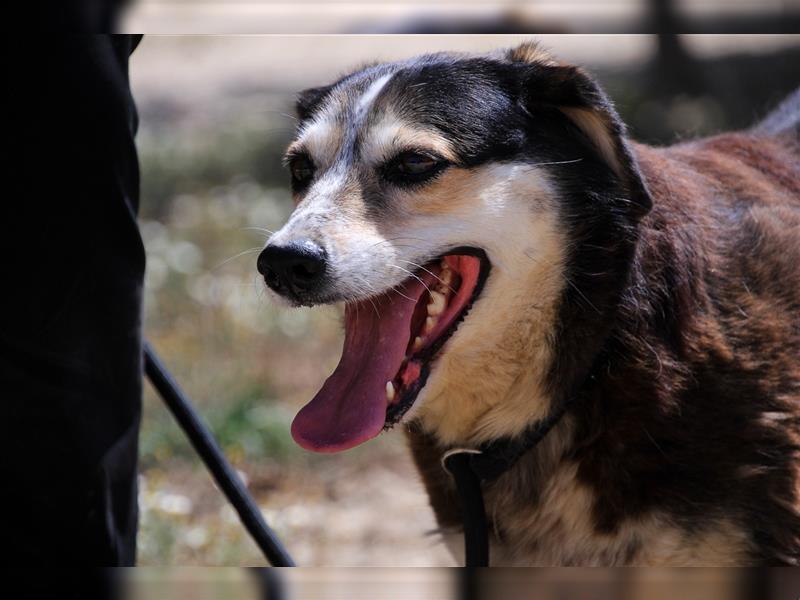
(470,468)
(212,456)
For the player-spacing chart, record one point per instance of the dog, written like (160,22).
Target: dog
(505,254)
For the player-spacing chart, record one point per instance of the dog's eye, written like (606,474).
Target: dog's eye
(412,167)
(302,169)
(415,164)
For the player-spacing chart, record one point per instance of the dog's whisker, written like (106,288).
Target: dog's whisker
(390,240)
(582,295)
(368,291)
(556,162)
(567,280)
(411,262)
(235,256)
(374,307)
(399,293)
(414,275)
(259,229)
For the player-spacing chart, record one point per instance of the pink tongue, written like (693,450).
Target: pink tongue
(351,406)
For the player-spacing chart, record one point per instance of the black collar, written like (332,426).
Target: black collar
(471,467)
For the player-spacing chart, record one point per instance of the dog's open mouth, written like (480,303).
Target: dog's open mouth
(390,343)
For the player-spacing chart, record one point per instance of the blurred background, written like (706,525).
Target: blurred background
(464,16)
(215,116)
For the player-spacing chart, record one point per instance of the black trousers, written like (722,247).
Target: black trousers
(70,322)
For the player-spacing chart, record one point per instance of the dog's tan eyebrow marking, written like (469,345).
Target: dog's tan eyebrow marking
(391,135)
(320,139)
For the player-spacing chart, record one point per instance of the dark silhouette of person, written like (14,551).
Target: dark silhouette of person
(71,309)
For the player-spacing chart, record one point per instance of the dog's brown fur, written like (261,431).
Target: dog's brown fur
(690,420)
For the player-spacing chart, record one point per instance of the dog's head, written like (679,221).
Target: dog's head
(451,203)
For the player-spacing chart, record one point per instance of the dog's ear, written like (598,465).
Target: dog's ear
(308,100)
(568,88)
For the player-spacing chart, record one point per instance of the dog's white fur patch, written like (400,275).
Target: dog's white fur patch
(368,97)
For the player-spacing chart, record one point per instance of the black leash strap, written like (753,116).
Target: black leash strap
(471,467)
(473,512)
(212,456)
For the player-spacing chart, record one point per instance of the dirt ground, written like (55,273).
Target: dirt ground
(370,511)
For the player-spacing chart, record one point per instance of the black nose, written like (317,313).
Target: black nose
(296,268)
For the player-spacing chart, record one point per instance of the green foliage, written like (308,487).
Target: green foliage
(248,427)
(254,428)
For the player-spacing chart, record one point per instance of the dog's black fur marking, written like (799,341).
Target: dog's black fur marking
(309,100)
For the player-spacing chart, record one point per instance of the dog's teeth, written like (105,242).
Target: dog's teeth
(436,304)
(418,343)
(430,323)
(446,277)
(389,391)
